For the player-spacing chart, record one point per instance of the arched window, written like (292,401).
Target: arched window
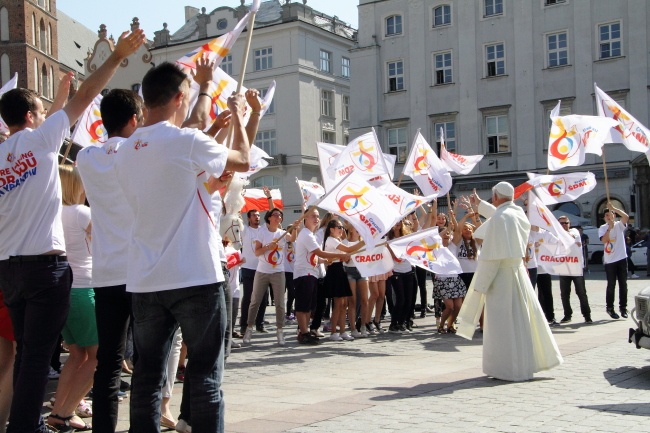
(34,30)
(36,76)
(4,24)
(52,81)
(43,37)
(45,82)
(49,39)
(441,16)
(270,181)
(601,207)
(5,69)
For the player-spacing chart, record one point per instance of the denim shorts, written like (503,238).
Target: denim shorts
(353,274)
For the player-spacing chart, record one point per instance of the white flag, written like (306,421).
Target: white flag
(368,210)
(362,155)
(540,216)
(628,130)
(572,136)
(268,99)
(426,169)
(9,85)
(90,129)
(403,201)
(373,261)
(327,154)
(257,162)
(460,164)
(569,264)
(560,188)
(311,192)
(425,249)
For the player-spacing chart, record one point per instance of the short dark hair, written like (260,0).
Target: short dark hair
(268,214)
(605,211)
(118,107)
(161,83)
(250,212)
(15,104)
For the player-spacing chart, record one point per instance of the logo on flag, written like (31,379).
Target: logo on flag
(555,188)
(423,250)
(564,145)
(363,159)
(421,165)
(350,199)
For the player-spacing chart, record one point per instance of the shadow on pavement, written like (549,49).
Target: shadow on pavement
(629,377)
(638,409)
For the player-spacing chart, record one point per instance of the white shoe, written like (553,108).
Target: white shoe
(356,334)
(247,336)
(634,276)
(53,374)
(364,332)
(336,337)
(347,337)
(183,427)
(280,337)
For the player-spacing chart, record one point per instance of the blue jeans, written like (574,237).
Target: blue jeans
(37,295)
(201,313)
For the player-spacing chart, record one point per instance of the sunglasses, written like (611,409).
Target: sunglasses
(338,227)
(564,223)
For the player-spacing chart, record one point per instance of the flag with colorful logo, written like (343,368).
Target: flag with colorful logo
(311,192)
(572,136)
(628,129)
(373,261)
(539,215)
(461,164)
(425,250)
(405,202)
(255,199)
(363,206)
(9,85)
(560,188)
(426,169)
(90,129)
(257,162)
(362,155)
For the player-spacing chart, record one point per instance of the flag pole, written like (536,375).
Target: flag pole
(67,151)
(606,180)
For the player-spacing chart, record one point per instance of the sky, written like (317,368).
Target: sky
(117,14)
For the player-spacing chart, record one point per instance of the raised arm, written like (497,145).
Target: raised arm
(62,94)
(239,153)
(200,116)
(254,119)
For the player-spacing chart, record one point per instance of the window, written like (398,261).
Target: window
(346,107)
(345,67)
(271,109)
(263,59)
(4,24)
(45,86)
(226,64)
(34,30)
(609,37)
(553,2)
(397,143)
(43,37)
(442,68)
(394,25)
(326,61)
(270,181)
(265,140)
(493,7)
(222,24)
(49,39)
(496,59)
(449,129)
(496,128)
(329,137)
(51,83)
(442,16)
(326,99)
(36,76)
(556,47)
(5,69)
(395,76)
(41,3)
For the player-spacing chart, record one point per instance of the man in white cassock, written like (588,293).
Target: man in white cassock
(517,340)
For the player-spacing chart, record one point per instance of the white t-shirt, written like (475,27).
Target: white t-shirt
(402,266)
(350,263)
(331,246)
(248,248)
(174,241)
(532,246)
(273,260)
(615,249)
(467,265)
(233,282)
(112,215)
(306,260)
(289,257)
(76,219)
(30,189)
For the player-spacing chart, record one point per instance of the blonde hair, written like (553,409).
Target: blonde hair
(71,186)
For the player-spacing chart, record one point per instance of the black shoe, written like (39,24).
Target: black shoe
(124,385)
(423,314)
(553,323)
(624,314)
(612,313)
(261,329)
(588,319)
(566,319)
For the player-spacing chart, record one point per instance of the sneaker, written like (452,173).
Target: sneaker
(378,328)
(307,338)
(370,328)
(347,337)
(364,332)
(336,337)
(634,276)
(124,385)
(247,336)
(53,374)
(327,327)
(394,329)
(624,314)
(355,334)
(261,329)
(403,329)
(566,319)
(280,337)
(237,334)
(183,427)
(612,313)
(234,345)
(588,319)
(316,333)
(553,323)
(429,309)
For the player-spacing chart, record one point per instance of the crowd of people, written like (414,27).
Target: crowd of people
(147,255)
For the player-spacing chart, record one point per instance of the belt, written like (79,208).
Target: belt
(49,258)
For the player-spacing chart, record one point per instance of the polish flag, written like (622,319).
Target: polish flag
(255,199)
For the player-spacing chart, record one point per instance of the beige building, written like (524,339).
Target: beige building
(489,72)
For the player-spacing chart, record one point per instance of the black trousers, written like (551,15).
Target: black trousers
(320,306)
(404,288)
(616,271)
(581,291)
(545,295)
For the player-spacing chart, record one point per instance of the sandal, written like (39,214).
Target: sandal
(441,329)
(84,410)
(66,427)
(451,330)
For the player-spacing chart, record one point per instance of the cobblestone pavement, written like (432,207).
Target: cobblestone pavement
(426,382)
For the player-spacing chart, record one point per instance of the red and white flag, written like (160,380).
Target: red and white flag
(628,129)
(373,261)
(425,249)
(255,199)
(426,169)
(311,192)
(362,155)
(539,215)
(461,164)
(363,206)
(572,136)
(90,129)
(9,85)
(560,188)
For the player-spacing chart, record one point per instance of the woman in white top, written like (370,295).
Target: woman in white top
(468,248)
(359,287)
(80,330)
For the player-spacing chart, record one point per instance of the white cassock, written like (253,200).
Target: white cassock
(517,340)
